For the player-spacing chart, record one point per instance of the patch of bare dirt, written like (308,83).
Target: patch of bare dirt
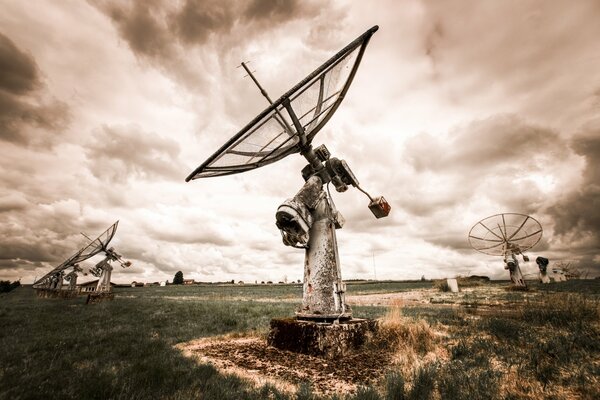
(483,295)
(421,296)
(252,359)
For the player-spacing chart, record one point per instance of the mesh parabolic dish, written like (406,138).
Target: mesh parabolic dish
(88,251)
(271,135)
(501,234)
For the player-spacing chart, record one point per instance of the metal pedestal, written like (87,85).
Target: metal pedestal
(323,290)
(104,280)
(515,272)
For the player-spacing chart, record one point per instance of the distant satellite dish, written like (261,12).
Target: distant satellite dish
(309,219)
(95,246)
(506,235)
(501,234)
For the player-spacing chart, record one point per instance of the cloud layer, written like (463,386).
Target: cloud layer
(458,111)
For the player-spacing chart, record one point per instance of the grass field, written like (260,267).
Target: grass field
(549,347)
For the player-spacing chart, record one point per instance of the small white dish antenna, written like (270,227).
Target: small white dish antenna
(507,235)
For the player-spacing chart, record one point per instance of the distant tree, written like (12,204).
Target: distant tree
(178,279)
(6,286)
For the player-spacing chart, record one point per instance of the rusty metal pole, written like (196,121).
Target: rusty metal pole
(515,271)
(323,290)
(72,278)
(542,264)
(59,280)
(104,280)
(544,278)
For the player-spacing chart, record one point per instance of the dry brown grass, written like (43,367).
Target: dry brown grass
(441,285)
(414,343)
(469,281)
(462,281)
(546,348)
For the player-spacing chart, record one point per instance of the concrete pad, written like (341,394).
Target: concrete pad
(328,340)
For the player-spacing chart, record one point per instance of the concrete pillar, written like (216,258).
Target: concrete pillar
(104,280)
(323,290)
(512,265)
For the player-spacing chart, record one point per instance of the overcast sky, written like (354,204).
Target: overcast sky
(459,110)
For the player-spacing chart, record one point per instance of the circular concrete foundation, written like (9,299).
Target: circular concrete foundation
(328,340)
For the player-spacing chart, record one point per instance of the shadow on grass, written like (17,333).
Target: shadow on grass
(119,350)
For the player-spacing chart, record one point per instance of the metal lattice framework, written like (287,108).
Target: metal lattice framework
(96,246)
(273,135)
(503,234)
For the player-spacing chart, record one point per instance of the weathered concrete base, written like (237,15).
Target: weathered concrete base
(53,293)
(93,298)
(320,339)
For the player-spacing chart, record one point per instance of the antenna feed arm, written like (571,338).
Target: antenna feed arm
(339,173)
(340,169)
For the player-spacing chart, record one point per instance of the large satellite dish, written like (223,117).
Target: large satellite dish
(506,235)
(94,247)
(274,133)
(309,219)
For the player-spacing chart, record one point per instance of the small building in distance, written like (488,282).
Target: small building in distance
(188,281)
(90,286)
(137,284)
(163,283)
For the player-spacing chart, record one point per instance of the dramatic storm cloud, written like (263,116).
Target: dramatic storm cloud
(459,110)
(22,105)
(576,216)
(117,154)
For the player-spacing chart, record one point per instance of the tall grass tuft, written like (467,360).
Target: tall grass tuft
(394,386)
(441,285)
(397,332)
(468,378)
(423,385)
(367,393)
(563,311)
(305,392)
